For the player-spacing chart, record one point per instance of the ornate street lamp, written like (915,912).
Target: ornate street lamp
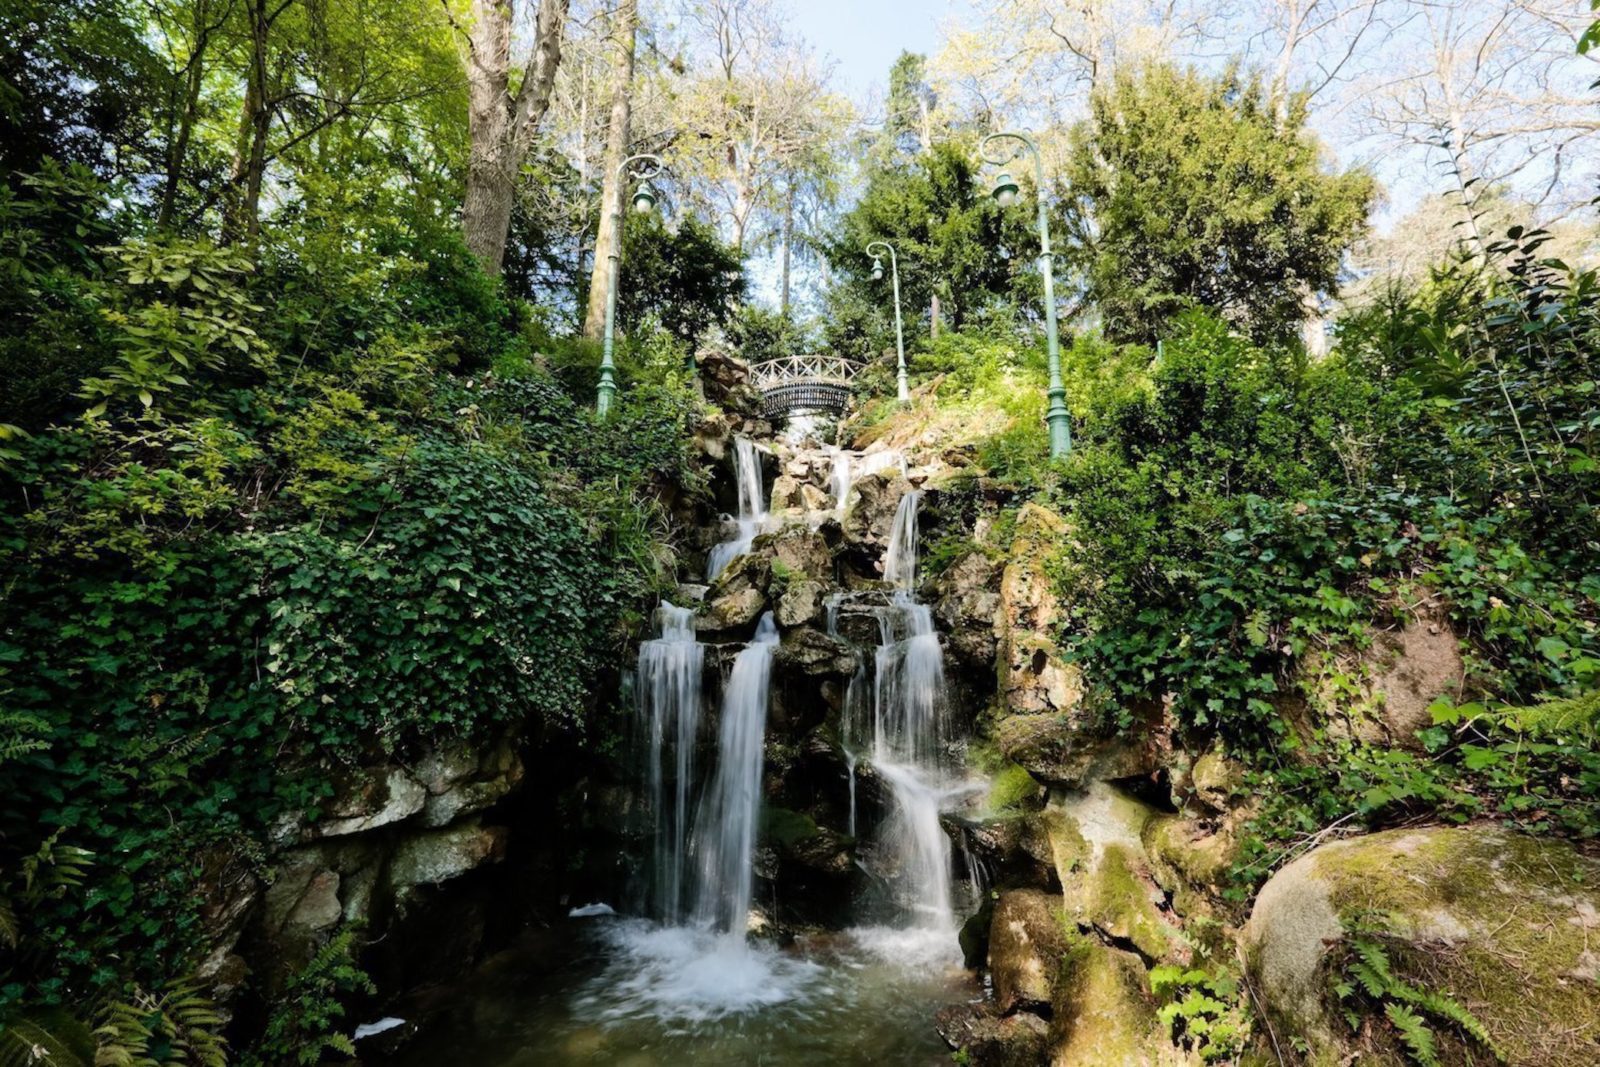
(902,390)
(1005,194)
(644,201)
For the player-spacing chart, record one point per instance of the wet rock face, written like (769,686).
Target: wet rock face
(387,831)
(1027,946)
(1507,924)
(968,603)
(1033,677)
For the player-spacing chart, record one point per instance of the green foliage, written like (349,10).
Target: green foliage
(953,242)
(306,1023)
(1202,1011)
(335,536)
(686,279)
(758,334)
(1367,977)
(176,1028)
(1189,190)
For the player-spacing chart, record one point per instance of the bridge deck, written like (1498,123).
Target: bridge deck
(804,383)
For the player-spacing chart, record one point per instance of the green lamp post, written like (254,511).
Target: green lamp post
(644,201)
(1005,193)
(902,390)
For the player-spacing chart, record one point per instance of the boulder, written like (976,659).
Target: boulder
(1506,924)
(436,856)
(367,798)
(809,651)
(799,551)
(785,493)
(812,498)
(1409,670)
(738,596)
(988,1039)
(1107,881)
(1027,945)
(800,603)
(1215,778)
(466,779)
(968,602)
(1105,1016)
(1066,749)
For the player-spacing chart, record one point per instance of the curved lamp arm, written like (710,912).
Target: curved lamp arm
(902,385)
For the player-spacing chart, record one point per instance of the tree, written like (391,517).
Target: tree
(501,124)
(1495,94)
(625,27)
(950,235)
(686,278)
(1185,190)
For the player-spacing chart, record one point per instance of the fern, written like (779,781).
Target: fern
(44,1040)
(1415,1034)
(1371,972)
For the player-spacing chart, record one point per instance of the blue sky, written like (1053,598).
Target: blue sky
(863,37)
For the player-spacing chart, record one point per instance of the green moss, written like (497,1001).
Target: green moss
(786,828)
(1505,923)
(1119,903)
(1013,788)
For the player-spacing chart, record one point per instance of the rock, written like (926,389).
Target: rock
(711,436)
(873,500)
(968,604)
(1066,750)
(1027,945)
(438,855)
(814,499)
(463,779)
(990,1040)
(1106,878)
(799,551)
(1508,925)
(974,934)
(1105,1016)
(809,651)
(738,596)
(1186,855)
(1409,671)
(785,493)
(1215,779)
(801,603)
(366,799)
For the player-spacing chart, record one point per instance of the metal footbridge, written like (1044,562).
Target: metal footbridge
(793,384)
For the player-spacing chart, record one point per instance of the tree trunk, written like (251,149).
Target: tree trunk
(178,146)
(243,215)
(501,128)
(608,238)
(788,237)
(933,316)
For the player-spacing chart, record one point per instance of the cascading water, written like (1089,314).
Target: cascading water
(752,508)
(725,833)
(668,687)
(909,730)
(839,481)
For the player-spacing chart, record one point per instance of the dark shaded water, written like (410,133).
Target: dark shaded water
(626,992)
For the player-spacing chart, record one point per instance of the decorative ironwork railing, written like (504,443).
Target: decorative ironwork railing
(804,383)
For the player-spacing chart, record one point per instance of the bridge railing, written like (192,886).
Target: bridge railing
(789,370)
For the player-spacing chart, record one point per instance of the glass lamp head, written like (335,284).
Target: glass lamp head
(1005,189)
(644,199)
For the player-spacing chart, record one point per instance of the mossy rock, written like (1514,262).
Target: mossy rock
(1104,1016)
(1506,924)
(1184,855)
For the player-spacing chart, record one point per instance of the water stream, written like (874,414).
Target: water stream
(687,984)
(752,508)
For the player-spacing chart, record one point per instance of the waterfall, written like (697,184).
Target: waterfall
(900,559)
(752,508)
(668,696)
(839,481)
(909,730)
(725,832)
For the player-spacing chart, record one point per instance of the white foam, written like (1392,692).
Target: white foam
(682,975)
